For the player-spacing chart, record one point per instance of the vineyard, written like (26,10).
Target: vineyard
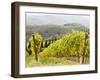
(70,49)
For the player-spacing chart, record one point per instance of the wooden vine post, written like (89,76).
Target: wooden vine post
(83,56)
(35,49)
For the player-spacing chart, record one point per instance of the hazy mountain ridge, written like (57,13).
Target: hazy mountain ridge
(50,30)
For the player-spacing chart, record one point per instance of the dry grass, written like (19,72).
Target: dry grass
(51,61)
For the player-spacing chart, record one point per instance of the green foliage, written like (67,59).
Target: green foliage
(71,44)
(30,43)
(38,38)
(87,50)
(30,46)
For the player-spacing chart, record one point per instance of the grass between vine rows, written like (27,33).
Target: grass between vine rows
(51,61)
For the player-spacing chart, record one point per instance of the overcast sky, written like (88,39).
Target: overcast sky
(40,18)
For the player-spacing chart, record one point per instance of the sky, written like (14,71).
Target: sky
(56,19)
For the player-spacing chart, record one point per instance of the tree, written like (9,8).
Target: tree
(33,46)
(85,43)
(37,39)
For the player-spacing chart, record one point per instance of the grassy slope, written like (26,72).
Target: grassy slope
(51,61)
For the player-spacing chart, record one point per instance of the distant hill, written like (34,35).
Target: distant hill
(49,31)
(76,26)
